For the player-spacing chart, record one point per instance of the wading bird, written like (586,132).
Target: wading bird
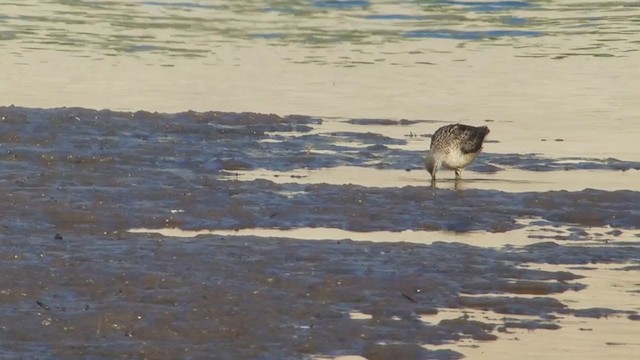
(454,147)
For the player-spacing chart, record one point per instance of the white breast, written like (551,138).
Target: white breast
(458,160)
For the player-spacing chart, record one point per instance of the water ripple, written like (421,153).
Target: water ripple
(317,23)
(469,35)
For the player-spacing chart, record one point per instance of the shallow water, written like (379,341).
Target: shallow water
(356,60)
(82,200)
(179,234)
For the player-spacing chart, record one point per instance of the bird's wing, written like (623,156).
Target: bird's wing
(471,137)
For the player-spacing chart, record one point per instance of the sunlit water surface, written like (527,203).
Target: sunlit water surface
(176,220)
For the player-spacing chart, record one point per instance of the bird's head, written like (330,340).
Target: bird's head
(432,164)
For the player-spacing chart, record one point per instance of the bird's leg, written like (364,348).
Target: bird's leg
(458,174)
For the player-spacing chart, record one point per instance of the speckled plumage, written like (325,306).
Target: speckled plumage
(454,147)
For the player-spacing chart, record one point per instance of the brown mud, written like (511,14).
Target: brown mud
(76,283)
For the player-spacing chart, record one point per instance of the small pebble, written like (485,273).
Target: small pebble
(43,305)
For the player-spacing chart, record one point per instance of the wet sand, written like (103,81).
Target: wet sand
(107,296)
(87,272)
(176,234)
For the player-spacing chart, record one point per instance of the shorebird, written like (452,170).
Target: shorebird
(454,147)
